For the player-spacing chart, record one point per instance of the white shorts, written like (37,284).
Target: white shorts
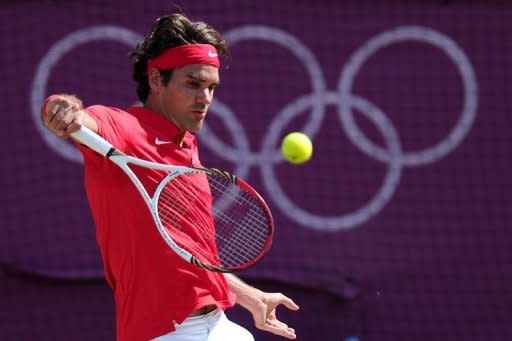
(214,326)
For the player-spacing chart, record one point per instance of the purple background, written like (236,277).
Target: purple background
(434,262)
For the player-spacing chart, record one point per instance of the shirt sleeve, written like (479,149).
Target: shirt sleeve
(113,125)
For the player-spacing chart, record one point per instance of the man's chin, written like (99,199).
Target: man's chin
(196,127)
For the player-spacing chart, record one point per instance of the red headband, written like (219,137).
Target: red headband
(185,55)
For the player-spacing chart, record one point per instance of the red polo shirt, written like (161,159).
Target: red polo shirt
(152,285)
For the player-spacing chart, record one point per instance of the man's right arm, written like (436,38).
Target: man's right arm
(63,114)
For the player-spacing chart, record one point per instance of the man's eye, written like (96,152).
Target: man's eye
(193,85)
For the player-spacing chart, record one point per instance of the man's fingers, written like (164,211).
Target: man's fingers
(49,112)
(74,125)
(55,113)
(288,302)
(56,105)
(48,106)
(278,330)
(64,118)
(273,325)
(276,323)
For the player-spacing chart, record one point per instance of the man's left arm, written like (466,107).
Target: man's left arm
(262,306)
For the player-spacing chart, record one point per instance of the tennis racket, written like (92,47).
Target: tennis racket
(209,217)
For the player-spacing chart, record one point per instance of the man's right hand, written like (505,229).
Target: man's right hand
(63,114)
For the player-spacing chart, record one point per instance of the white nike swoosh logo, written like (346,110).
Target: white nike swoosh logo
(159,142)
(212,54)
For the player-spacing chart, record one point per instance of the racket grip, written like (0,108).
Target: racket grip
(92,140)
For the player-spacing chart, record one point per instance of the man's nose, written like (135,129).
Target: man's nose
(205,96)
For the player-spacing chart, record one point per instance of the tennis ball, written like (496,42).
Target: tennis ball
(297,147)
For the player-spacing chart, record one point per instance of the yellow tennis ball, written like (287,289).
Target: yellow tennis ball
(297,148)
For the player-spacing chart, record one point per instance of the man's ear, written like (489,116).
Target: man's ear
(154,80)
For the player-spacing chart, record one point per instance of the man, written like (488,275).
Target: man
(157,294)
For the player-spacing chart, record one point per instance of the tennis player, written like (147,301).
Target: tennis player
(158,295)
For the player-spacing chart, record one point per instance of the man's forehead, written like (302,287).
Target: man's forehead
(200,72)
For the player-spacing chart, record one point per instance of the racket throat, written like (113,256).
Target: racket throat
(112,151)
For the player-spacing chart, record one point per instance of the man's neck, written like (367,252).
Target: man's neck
(155,107)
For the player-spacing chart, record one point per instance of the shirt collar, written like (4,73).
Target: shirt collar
(168,128)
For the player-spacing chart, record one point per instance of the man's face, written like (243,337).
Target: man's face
(188,95)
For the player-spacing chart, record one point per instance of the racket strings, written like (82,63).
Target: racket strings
(214,219)
(245,222)
(241,223)
(182,208)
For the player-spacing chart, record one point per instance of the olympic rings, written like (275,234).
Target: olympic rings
(429,155)
(46,65)
(240,154)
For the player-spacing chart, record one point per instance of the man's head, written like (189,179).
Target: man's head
(167,32)
(170,74)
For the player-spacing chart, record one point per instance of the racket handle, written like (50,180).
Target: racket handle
(92,140)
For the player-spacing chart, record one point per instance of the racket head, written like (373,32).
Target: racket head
(217,221)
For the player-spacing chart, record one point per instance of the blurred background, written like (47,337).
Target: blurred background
(396,229)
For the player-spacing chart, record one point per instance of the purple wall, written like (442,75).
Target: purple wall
(396,229)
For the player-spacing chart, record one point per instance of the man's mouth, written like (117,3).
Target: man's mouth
(200,112)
